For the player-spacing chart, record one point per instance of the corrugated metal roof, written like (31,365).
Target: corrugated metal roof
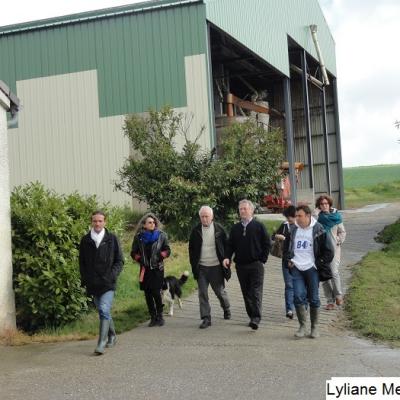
(264,26)
(92,15)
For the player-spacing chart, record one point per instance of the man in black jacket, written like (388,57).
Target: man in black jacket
(308,254)
(100,262)
(250,242)
(207,245)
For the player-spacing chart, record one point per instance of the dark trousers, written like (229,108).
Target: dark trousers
(153,301)
(211,276)
(251,279)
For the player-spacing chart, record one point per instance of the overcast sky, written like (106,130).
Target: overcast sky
(366,33)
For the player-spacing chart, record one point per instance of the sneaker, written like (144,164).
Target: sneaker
(205,323)
(330,306)
(253,325)
(289,314)
(153,322)
(227,314)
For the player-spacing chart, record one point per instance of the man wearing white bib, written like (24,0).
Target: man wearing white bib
(307,252)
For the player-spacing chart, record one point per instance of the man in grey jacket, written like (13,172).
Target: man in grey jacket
(207,244)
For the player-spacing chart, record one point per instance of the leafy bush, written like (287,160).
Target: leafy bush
(176,182)
(46,231)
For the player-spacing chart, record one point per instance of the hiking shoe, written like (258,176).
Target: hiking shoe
(205,323)
(253,325)
(153,322)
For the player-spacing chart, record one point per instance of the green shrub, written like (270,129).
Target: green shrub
(176,182)
(46,231)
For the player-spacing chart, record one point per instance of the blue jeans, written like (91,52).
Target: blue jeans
(306,287)
(103,304)
(288,279)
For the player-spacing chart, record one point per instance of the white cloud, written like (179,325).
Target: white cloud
(368,66)
(18,11)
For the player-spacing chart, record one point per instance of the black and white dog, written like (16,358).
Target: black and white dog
(171,289)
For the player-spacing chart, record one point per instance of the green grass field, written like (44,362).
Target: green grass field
(372,184)
(361,177)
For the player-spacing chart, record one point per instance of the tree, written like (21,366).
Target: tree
(176,182)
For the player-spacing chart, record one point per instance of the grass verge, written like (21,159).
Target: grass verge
(373,302)
(380,193)
(129,308)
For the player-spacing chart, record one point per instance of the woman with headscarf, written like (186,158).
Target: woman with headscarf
(331,220)
(149,248)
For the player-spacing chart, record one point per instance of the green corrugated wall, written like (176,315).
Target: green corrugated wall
(139,57)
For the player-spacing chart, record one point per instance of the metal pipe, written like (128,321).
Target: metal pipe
(326,141)
(306,105)
(289,139)
(213,130)
(341,203)
(325,78)
(313,80)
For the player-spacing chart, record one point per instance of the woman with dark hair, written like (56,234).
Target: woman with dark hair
(281,234)
(331,220)
(149,248)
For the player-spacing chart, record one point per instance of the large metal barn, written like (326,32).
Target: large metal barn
(78,76)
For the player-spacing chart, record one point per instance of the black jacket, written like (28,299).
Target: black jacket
(323,250)
(196,242)
(100,267)
(151,260)
(250,244)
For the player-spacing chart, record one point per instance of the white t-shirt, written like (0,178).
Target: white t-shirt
(304,248)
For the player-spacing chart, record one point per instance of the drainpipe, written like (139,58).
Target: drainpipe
(8,103)
(325,79)
(307,120)
(326,142)
(289,139)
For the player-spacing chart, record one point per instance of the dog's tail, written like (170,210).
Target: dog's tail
(184,278)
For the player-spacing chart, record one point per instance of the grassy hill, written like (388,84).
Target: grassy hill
(357,177)
(372,184)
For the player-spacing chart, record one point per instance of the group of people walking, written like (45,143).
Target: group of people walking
(311,253)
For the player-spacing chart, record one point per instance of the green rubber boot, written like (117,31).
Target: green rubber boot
(314,316)
(103,336)
(112,335)
(301,313)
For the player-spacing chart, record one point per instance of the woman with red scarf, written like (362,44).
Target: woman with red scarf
(149,248)
(331,220)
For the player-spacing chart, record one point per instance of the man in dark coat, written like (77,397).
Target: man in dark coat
(308,254)
(207,245)
(250,242)
(100,262)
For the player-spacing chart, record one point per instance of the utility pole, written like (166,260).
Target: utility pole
(8,103)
